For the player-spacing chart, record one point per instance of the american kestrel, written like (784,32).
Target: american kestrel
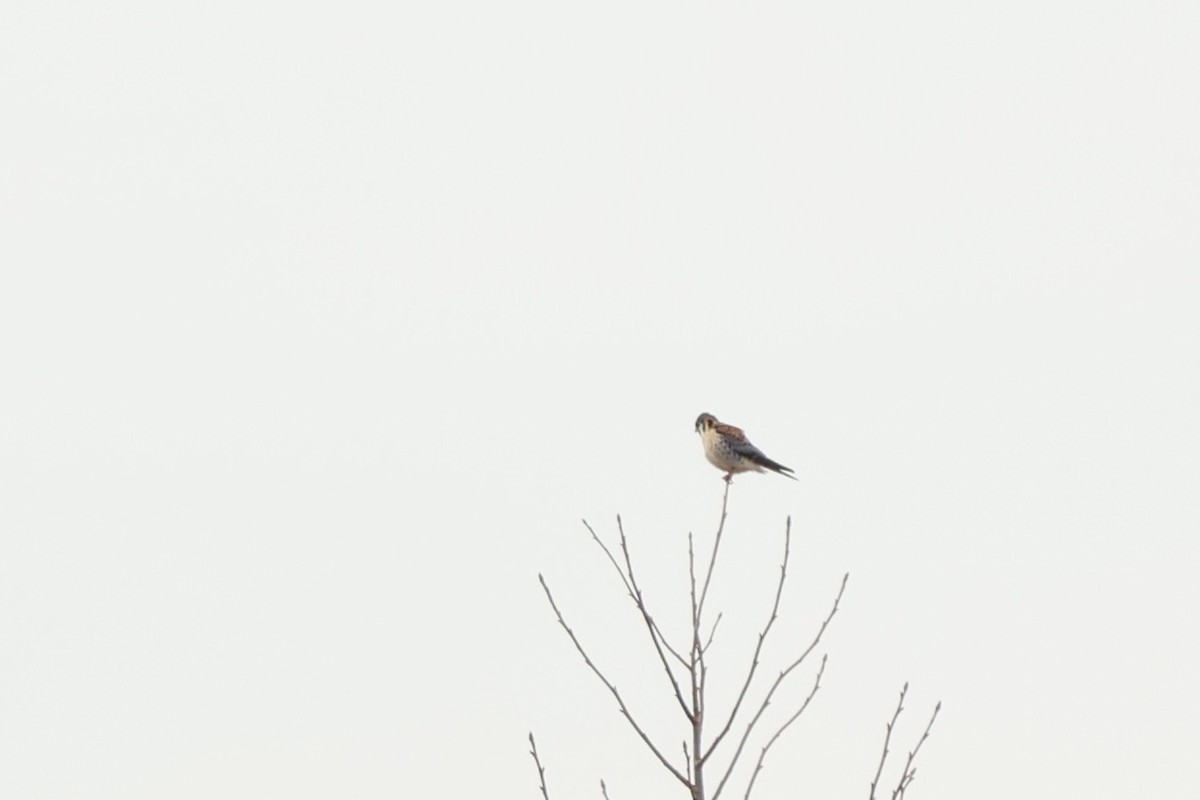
(728,449)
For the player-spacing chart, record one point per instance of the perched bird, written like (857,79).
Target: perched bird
(727,448)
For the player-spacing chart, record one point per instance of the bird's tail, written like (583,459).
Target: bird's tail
(778,468)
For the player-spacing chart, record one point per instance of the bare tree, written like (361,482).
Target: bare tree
(715,743)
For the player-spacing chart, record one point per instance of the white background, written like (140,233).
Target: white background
(324,326)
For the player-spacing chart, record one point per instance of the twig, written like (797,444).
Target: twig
(611,688)
(603,789)
(697,672)
(696,656)
(887,738)
(635,592)
(692,578)
(712,633)
(655,634)
(763,754)
(541,770)
(667,645)
(762,638)
(716,545)
(611,558)
(910,772)
(779,680)
(631,585)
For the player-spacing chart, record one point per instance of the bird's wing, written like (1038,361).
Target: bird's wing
(752,453)
(734,434)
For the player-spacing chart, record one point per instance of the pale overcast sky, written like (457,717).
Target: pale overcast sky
(324,326)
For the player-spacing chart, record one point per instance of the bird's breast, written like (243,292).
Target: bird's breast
(717,450)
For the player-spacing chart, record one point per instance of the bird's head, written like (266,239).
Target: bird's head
(705,422)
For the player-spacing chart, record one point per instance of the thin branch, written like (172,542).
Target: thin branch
(603,789)
(541,770)
(762,638)
(631,586)
(696,659)
(887,738)
(611,558)
(635,592)
(655,635)
(697,673)
(910,772)
(611,688)
(692,576)
(774,686)
(674,653)
(762,755)
(716,545)
(712,633)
